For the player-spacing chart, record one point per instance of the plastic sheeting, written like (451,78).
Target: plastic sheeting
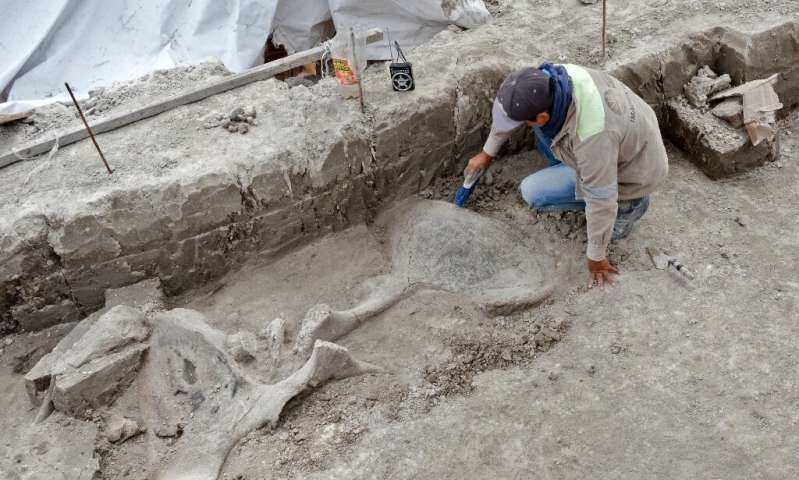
(300,23)
(409,22)
(96,42)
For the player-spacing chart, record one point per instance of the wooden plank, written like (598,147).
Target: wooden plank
(112,122)
(10,117)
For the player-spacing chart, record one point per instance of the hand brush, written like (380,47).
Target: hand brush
(469,185)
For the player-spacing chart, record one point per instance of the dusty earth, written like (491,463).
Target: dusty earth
(118,96)
(650,378)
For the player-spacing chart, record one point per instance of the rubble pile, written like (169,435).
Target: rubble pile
(707,89)
(727,129)
(239,120)
(704,84)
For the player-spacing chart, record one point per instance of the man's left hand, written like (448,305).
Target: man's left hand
(600,272)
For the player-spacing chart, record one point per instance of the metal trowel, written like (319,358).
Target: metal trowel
(663,262)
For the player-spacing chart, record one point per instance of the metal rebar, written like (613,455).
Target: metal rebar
(604,28)
(355,69)
(88,129)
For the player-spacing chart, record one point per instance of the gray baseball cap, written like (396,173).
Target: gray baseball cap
(523,95)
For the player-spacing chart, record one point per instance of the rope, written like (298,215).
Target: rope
(52,152)
(41,165)
(326,56)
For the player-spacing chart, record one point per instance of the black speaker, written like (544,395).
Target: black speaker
(402,77)
(401,71)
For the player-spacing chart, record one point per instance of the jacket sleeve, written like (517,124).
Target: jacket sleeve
(495,141)
(597,171)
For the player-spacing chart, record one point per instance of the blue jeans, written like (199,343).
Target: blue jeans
(552,189)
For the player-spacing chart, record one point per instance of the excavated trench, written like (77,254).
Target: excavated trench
(56,268)
(717,148)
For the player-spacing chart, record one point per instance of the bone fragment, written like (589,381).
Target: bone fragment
(204,452)
(323,323)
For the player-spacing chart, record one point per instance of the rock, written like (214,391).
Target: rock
(243,128)
(37,380)
(33,319)
(705,83)
(698,89)
(146,295)
(170,430)
(249,111)
(93,363)
(242,346)
(120,429)
(237,115)
(97,383)
(720,84)
(35,346)
(707,72)
(731,111)
(119,327)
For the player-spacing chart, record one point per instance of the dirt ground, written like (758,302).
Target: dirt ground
(650,378)
(654,378)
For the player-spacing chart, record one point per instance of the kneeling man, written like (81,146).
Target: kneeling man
(602,142)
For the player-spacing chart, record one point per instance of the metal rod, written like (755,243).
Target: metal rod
(355,69)
(604,29)
(88,129)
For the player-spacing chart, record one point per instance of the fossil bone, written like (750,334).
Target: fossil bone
(199,390)
(436,246)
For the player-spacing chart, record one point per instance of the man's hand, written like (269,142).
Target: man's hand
(600,272)
(479,162)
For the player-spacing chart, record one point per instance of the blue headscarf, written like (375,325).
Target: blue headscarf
(561,100)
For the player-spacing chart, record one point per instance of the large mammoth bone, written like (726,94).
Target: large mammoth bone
(198,393)
(435,245)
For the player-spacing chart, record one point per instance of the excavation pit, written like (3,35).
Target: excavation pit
(229,220)
(165,214)
(191,224)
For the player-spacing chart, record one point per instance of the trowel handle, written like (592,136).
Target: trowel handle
(472,177)
(681,268)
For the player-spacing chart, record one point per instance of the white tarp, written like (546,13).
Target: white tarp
(410,22)
(302,24)
(44,43)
